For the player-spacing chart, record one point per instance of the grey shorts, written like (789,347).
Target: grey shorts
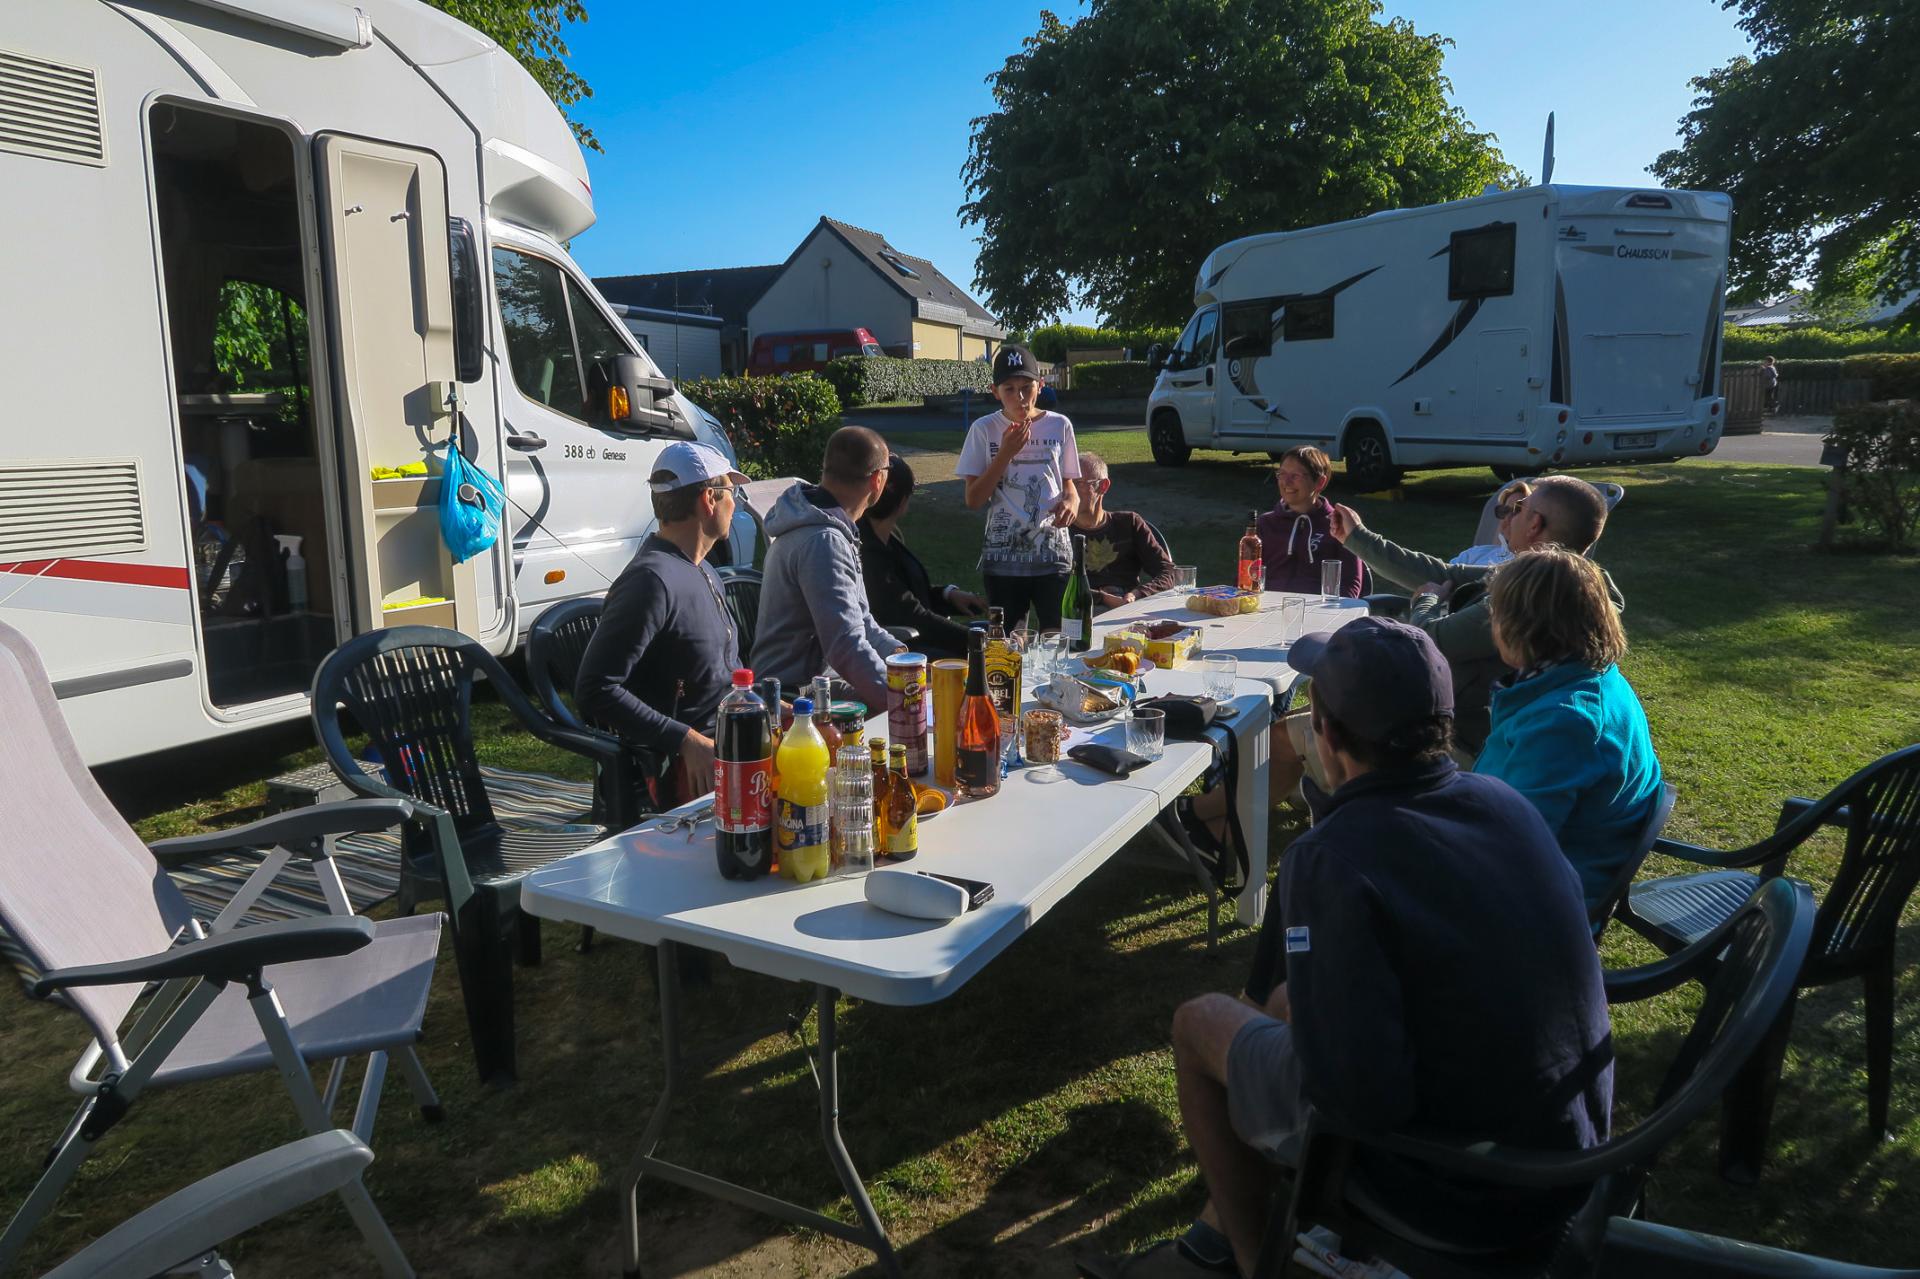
(1264,1101)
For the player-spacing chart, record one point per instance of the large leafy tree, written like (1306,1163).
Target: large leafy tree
(533,32)
(1128,143)
(1817,139)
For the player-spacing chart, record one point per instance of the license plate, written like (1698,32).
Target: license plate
(1641,441)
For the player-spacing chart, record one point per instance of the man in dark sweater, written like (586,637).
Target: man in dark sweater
(1125,558)
(898,588)
(1425,963)
(666,649)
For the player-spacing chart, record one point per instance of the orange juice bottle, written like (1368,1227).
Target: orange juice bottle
(800,813)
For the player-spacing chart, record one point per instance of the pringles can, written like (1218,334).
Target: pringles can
(907,707)
(949,690)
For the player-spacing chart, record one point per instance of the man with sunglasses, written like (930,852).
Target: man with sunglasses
(665,651)
(1450,600)
(813,600)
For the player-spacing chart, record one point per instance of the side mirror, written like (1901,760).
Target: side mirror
(636,400)
(1156,357)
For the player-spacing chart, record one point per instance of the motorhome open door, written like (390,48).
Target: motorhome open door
(384,220)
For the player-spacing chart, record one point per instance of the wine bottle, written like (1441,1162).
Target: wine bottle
(1251,561)
(976,769)
(1076,606)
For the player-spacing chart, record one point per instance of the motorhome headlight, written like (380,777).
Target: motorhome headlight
(617,403)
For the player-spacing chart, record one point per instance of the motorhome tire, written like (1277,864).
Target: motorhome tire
(1370,465)
(1169,444)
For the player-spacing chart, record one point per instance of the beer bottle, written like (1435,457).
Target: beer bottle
(903,822)
(742,796)
(881,783)
(976,769)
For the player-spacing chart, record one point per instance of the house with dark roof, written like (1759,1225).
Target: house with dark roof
(724,294)
(844,277)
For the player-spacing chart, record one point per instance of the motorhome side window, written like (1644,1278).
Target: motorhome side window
(533,313)
(1308,319)
(599,343)
(1249,330)
(1480,262)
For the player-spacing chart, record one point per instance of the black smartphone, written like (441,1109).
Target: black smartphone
(978,891)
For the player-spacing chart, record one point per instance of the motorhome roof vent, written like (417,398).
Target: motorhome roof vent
(54,510)
(50,109)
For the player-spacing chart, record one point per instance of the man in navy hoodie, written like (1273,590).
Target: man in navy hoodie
(1425,963)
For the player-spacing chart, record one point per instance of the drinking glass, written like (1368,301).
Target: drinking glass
(1185,578)
(1046,651)
(1330,571)
(1147,733)
(1293,618)
(852,814)
(1256,578)
(1219,673)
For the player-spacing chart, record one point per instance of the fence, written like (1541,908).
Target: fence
(1746,395)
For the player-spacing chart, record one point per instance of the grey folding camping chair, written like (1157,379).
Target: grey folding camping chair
(96,919)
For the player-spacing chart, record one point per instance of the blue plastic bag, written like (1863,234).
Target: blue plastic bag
(470,505)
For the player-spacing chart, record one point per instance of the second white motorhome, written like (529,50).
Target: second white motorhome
(1547,326)
(335,236)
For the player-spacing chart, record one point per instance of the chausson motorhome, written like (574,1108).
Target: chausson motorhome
(263,259)
(1548,326)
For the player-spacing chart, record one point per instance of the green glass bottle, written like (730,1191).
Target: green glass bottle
(1076,606)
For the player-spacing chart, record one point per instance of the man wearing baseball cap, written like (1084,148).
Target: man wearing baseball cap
(665,651)
(1425,962)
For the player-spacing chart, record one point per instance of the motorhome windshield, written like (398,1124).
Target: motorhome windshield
(1195,346)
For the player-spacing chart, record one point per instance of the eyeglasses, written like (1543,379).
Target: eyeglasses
(1506,510)
(722,490)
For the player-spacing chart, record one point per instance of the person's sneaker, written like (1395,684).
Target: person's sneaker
(1162,1261)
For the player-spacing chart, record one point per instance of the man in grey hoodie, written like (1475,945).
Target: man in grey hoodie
(813,600)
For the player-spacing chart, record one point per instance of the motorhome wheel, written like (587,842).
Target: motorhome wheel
(1370,465)
(1170,447)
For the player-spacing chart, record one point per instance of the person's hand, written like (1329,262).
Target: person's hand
(1112,599)
(1062,510)
(696,752)
(1344,522)
(1015,439)
(1445,591)
(967,602)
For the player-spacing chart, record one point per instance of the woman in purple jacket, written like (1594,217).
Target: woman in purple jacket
(1294,536)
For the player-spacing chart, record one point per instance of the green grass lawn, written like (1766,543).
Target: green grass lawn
(1031,1115)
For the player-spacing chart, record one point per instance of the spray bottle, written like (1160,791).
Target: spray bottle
(296,567)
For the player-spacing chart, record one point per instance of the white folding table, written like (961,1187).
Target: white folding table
(1034,842)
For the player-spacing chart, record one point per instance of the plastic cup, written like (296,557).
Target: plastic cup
(1185,578)
(1147,733)
(1330,571)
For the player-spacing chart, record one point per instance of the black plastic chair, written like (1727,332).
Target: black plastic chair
(410,689)
(1642,1250)
(1601,911)
(1879,807)
(556,645)
(1747,965)
(742,589)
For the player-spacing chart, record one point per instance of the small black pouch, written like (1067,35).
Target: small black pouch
(1187,716)
(1107,758)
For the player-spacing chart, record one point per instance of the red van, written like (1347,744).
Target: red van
(806,350)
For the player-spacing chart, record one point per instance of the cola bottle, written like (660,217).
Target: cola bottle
(742,783)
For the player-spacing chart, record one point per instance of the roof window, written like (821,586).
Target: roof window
(900,266)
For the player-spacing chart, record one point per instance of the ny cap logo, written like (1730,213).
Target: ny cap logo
(1013,360)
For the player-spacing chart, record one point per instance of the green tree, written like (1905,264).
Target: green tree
(1817,139)
(1127,144)
(533,32)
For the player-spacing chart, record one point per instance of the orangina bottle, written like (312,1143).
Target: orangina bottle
(800,822)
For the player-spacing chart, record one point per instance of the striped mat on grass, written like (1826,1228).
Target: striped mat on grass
(369,864)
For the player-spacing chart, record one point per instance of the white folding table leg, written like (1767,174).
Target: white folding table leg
(1250,783)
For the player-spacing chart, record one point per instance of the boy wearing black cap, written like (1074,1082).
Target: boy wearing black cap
(1019,462)
(1426,962)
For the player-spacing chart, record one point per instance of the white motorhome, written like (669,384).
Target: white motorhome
(333,234)
(1548,326)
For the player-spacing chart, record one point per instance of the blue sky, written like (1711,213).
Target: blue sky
(729,129)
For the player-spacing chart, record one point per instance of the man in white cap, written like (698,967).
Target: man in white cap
(666,648)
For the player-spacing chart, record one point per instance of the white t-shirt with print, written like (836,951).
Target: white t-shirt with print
(1020,539)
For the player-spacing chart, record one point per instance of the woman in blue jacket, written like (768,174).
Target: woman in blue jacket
(1568,731)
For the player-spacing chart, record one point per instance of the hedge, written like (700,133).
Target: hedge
(1891,377)
(1817,344)
(1123,377)
(779,425)
(1052,342)
(872,379)
(1882,479)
